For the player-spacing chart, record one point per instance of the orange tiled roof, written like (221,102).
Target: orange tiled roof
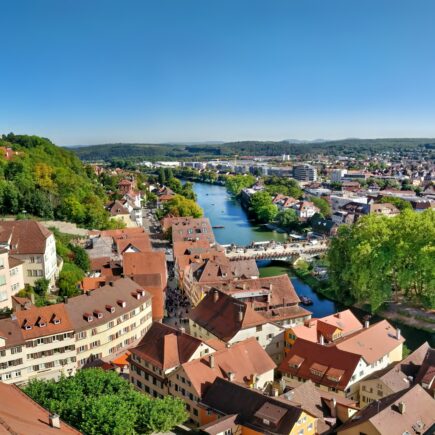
(245,360)
(42,321)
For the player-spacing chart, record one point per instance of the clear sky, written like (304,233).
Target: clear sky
(95,71)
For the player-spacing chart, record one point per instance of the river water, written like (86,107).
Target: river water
(223,210)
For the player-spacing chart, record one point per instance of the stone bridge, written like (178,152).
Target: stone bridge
(291,252)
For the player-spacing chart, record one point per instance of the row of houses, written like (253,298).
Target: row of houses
(46,342)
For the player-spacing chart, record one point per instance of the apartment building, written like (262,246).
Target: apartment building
(341,365)
(245,363)
(32,243)
(220,316)
(109,320)
(37,342)
(11,277)
(305,172)
(161,351)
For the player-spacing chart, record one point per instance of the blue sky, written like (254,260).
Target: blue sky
(95,71)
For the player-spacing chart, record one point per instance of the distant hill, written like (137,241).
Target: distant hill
(154,152)
(44,180)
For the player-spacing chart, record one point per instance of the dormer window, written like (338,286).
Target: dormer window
(41,323)
(88,317)
(27,327)
(110,308)
(141,292)
(121,303)
(98,314)
(55,320)
(136,295)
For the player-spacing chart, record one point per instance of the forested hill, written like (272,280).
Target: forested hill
(253,148)
(44,180)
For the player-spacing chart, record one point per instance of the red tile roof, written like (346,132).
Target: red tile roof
(372,343)
(149,270)
(320,364)
(20,415)
(223,316)
(384,415)
(42,321)
(245,360)
(24,236)
(166,347)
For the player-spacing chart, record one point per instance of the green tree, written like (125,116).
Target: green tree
(41,286)
(379,258)
(236,183)
(400,203)
(323,205)
(287,217)
(267,213)
(162,176)
(99,402)
(181,206)
(69,278)
(81,258)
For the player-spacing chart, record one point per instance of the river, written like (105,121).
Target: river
(223,210)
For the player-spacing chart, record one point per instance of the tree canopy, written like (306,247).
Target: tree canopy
(379,258)
(183,207)
(262,206)
(236,183)
(50,182)
(97,402)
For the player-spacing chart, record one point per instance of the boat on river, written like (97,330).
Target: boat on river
(217,226)
(305,300)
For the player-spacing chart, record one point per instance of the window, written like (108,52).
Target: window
(2,280)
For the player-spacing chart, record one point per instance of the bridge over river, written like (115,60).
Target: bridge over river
(291,252)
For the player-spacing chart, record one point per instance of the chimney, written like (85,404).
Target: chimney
(231,376)
(211,361)
(398,333)
(183,330)
(322,340)
(334,408)
(270,287)
(54,421)
(338,314)
(366,324)
(240,315)
(402,407)
(215,296)
(275,392)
